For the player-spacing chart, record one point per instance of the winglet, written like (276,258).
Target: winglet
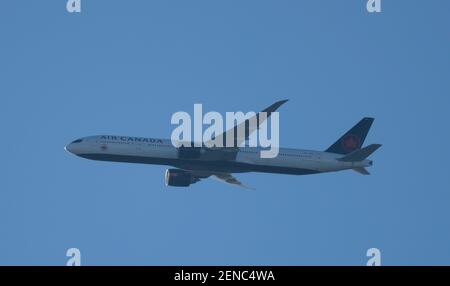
(274,106)
(246,125)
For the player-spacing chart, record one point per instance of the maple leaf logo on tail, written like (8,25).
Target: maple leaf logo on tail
(353,139)
(351,142)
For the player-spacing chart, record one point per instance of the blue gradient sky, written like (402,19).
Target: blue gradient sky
(123,67)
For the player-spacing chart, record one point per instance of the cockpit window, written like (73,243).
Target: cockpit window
(77,141)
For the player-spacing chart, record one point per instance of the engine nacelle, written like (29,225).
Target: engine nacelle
(178,178)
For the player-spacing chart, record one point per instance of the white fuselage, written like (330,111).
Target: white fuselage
(162,152)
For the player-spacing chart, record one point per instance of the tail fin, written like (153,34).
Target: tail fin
(360,154)
(353,139)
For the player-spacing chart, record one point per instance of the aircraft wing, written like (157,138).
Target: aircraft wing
(248,129)
(229,179)
(198,175)
(223,177)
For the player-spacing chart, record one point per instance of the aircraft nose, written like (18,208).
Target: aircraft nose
(68,148)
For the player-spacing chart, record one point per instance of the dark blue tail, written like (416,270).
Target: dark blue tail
(353,139)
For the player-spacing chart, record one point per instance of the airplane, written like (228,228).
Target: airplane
(192,164)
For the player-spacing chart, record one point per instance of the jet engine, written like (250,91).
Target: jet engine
(179,178)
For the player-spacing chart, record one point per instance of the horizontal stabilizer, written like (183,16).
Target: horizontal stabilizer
(361,170)
(360,154)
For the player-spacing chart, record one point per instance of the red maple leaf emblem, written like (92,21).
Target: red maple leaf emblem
(351,142)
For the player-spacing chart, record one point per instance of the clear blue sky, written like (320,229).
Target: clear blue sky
(123,67)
